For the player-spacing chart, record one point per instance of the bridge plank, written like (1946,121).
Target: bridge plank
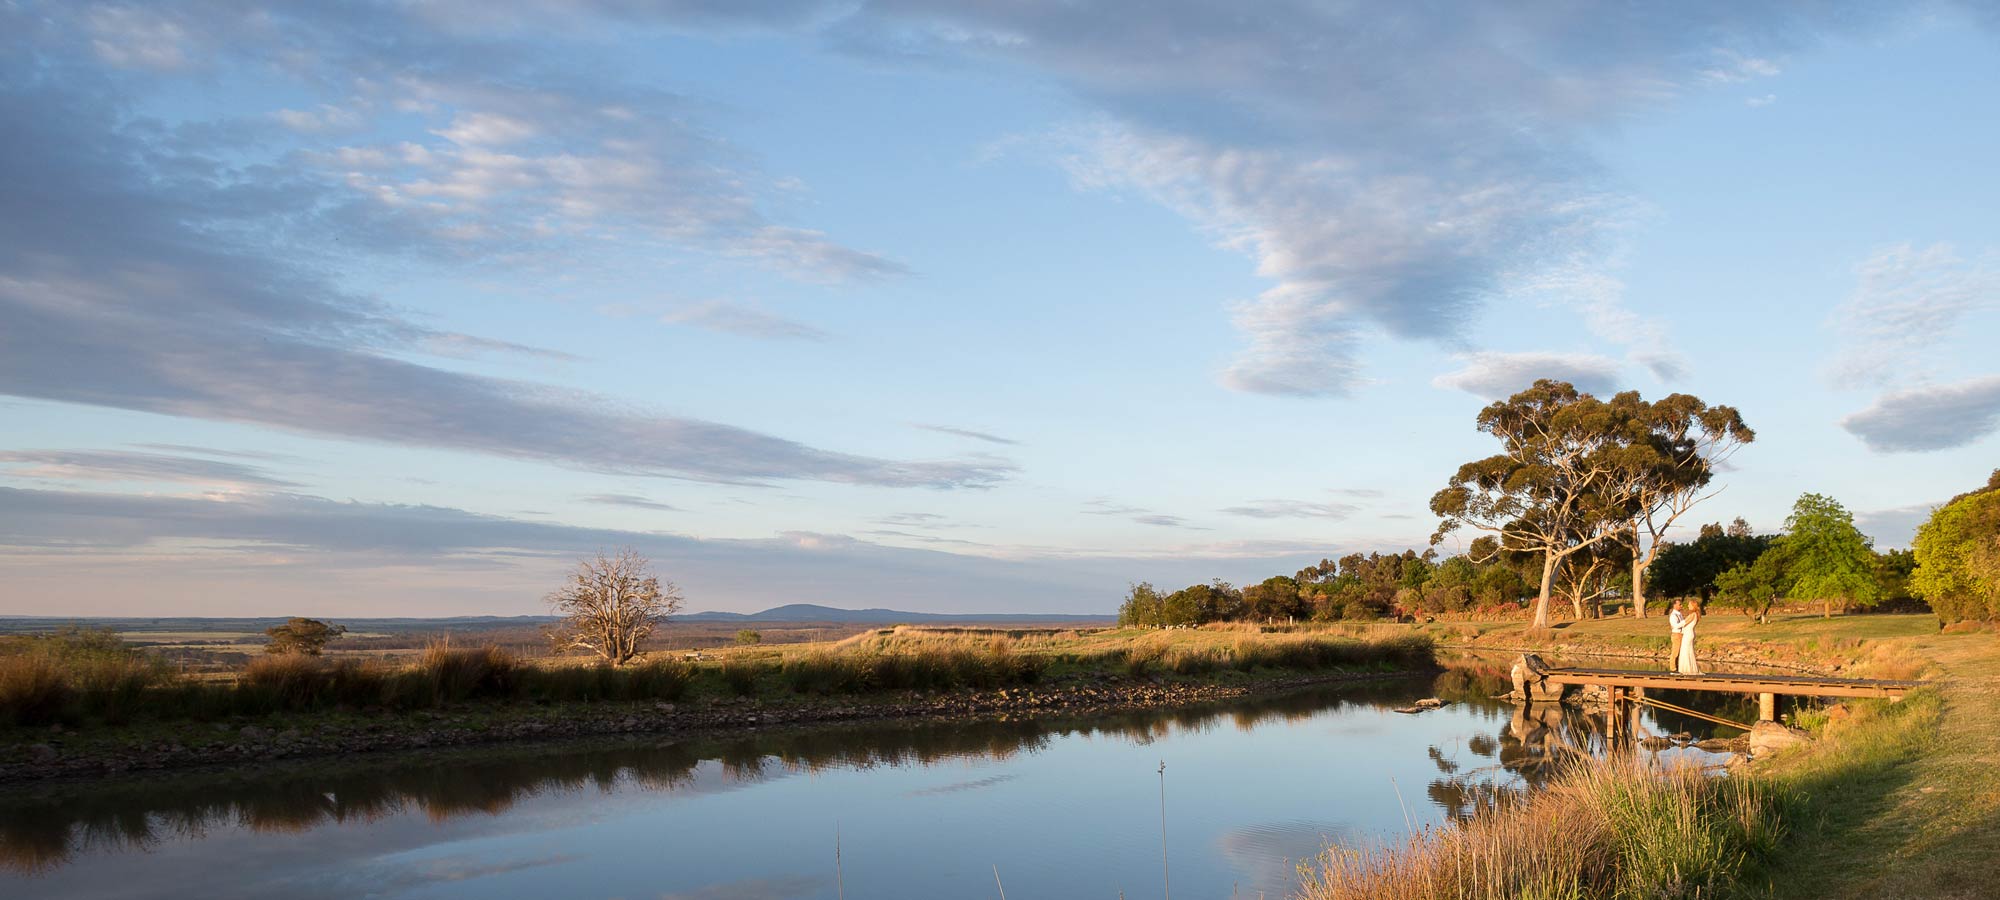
(1793,685)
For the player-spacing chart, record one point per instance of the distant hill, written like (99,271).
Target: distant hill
(808,612)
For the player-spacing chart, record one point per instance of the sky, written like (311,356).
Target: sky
(399,309)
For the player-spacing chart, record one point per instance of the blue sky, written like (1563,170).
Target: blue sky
(399,308)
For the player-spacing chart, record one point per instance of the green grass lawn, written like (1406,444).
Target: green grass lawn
(1919,815)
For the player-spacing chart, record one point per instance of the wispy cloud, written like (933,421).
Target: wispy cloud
(632,500)
(1165,521)
(744,321)
(1293,509)
(968,433)
(122,465)
(1105,506)
(1385,181)
(1495,375)
(1733,67)
(1907,300)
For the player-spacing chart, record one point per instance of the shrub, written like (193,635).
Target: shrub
(749,636)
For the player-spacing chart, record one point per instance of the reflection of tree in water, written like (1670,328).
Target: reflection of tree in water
(49,829)
(1537,741)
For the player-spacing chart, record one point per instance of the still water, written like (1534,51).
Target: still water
(1061,807)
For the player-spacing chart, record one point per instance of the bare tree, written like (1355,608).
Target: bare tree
(610,606)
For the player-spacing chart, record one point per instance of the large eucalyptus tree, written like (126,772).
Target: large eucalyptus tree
(1561,484)
(1670,460)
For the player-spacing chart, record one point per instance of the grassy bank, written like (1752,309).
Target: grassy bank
(90,680)
(1889,800)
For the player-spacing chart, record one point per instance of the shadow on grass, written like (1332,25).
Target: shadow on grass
(1840,807)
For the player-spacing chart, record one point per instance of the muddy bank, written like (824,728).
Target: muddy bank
(61,754)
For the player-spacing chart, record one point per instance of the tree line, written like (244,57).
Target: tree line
(1578,507)
(1357,586)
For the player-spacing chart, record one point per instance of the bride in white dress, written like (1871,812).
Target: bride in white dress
(1685,665)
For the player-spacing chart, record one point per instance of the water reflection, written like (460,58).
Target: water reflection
(44,830)
(1262,783)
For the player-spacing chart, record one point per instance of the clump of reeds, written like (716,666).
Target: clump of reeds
(658,679)
(33,689)
(454,673)
(740,676)
(71,673)
(1607,829)
(905,661)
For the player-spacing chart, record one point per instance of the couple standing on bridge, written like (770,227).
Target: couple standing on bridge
(1681,621)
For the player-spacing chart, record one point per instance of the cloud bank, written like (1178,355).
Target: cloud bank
(1933,417)
(143,267)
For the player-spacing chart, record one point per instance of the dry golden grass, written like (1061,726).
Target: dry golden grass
(1608,829)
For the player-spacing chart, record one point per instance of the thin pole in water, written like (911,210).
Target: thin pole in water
(1166,880)
(1408,825)
(839,886)
(996,881)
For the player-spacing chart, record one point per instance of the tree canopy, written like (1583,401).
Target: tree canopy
(1828,559)
(302,635)
(1670,461)
(1957,556)
(1575,472)
(1357,586)
(1690,569)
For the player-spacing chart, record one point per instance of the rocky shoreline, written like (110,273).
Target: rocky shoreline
(67,754)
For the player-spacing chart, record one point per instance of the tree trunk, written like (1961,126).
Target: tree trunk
(1542,603)
(1826,612)
(1638,584)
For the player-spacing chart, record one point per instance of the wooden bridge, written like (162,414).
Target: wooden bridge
(1630,685)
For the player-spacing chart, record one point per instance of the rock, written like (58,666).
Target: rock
(1431,703)
(1655,742)
(254,733)
(1715,745)
(41,754)
(1770,737)
(1681,737)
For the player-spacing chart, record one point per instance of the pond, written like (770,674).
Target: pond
(1063,807)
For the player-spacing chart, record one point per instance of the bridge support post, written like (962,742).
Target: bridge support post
(1767,707)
